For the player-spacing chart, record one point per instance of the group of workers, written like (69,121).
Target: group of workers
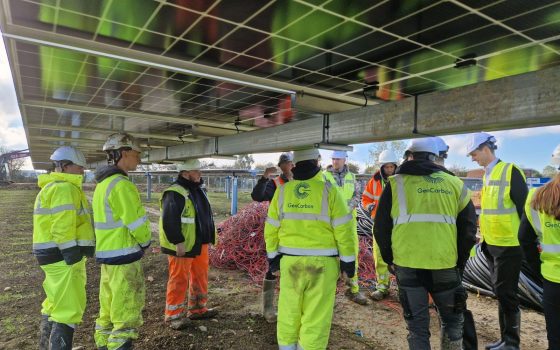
(424,230)
(65,233)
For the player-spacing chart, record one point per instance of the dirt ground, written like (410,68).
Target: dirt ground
(238,325)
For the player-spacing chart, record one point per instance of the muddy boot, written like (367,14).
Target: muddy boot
(45,329)
(501,319)
(379,294)
(268,309)
(180,323)
(209,313)
(447,344)
(61,337)
(511,332)
(357,297)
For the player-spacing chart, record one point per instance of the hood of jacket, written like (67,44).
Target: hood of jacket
(106,171)
(45,179)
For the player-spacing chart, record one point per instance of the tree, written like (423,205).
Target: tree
(549,171)
(244,162)
(14,165)
(398,146)
(353,167)
(370,169)
(458,170)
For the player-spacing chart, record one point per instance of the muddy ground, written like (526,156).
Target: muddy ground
(238,326)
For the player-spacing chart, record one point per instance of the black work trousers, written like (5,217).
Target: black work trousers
(551,304)
(505,265)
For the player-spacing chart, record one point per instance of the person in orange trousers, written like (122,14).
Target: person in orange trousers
(186,230)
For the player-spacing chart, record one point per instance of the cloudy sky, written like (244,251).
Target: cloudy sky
(527,147)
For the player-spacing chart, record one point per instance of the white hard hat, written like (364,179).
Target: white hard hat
(120,140)
(339,154)
(387,156)
(71,154)
(306,154)
(443,148)
(475,140)
(191,164)
(425,144)
(285,157)
(556,156)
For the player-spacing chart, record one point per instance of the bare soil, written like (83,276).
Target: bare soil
(238,325)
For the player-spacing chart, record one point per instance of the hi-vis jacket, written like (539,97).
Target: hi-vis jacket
(122,228)
(310,218)
(373,191)
(62,227)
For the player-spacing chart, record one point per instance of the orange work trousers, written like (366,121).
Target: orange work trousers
(187,275)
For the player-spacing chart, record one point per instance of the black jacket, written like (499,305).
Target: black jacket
(265,188)
(173,205)
(383,223)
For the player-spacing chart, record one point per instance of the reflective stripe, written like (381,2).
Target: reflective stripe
(308,251)
(109,223)
(537,223)
(307,216)
(187,220)
(369,195)
(67,245)
(281,203)
(116,253)
(342,220)
(502,182)
(403,209)
(272,255)
(137,223)
(54,210)
(86,243)
(499,211)
(287,347)
(174,307)
(347,258)
(464,193)
(45,245)
(125,330)
(550,248)
(444,219)
(272,222)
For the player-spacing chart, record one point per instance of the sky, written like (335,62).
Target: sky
(529,148)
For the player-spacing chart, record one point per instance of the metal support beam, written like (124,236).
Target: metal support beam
(83,141)
(129,114)
(521,101)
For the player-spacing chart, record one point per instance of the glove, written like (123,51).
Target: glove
(349,268)
(274,264)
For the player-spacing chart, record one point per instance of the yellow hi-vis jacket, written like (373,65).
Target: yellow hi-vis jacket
(122,229)
(348,185)
(62,227)
(424,212)
(310,218)
(188,221)
(547,229)
(499,220)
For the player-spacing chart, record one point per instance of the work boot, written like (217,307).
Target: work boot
(511,331)
(179,323)
(379,294)
(268,310)
(61,337)
(447,344)
(205,315)
(357,297)
(501,319)
(126,345)
(45,329)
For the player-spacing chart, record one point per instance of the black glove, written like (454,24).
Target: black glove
(274,264)
(349,268)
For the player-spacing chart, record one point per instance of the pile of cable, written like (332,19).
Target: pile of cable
(477,278)
(365,222)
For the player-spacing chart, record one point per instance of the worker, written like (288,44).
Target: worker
(186,229)
(264,191)
(539,237)
(62,239)
(370,200)
(425,226)
(503,196)
(265,187)
(122,233)
(340,176)
(307,228)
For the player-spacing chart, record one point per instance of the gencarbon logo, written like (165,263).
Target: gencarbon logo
(302,190)
(433,180)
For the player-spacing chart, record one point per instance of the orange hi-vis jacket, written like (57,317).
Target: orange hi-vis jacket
(372,193)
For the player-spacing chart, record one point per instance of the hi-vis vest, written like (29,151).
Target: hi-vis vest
(278,181)
(348,185)
(548,232)
(122,228)
(61,218)
(372,193)
(499,221)
(424,213)
(188,223)
(310,218)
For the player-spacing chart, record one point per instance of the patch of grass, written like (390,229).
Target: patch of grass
(8,296)
(13,324)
